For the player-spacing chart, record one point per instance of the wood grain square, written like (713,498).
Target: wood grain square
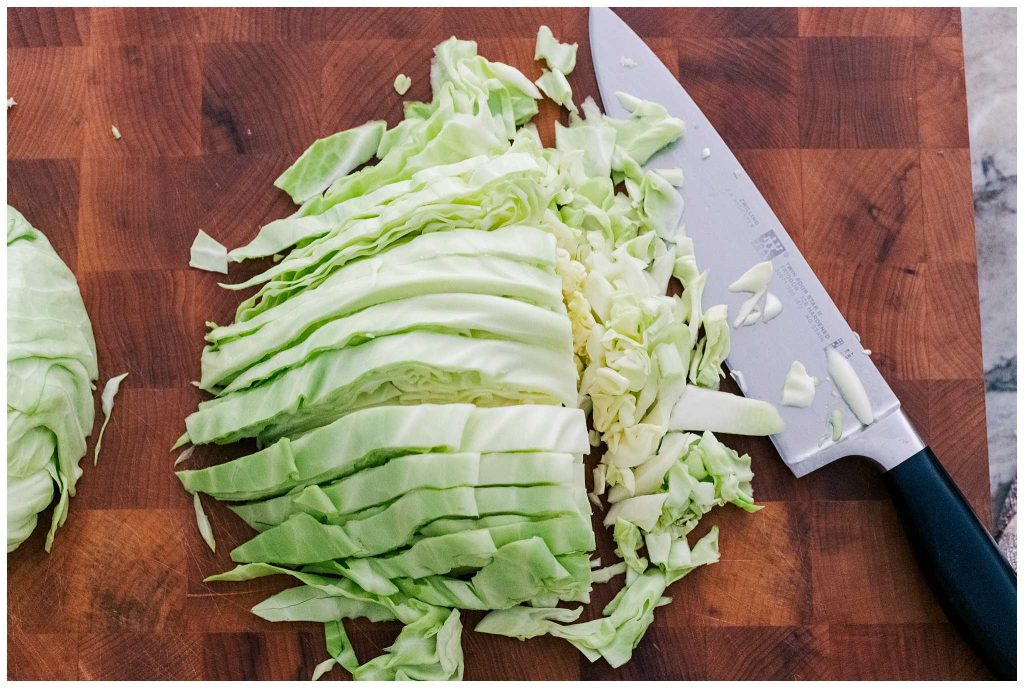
(113,26)
(49,85)
(126,306)
(953,405)
(260,97)
(474,23)
(136,214)
(151,93)
(666,654)
(46,193)
(777,173)
(865,290)
(122,656)
(955,331)
(852,478)
(256,24)
(373,64)
(39,27)
(857,93)
(929,651)
(497,658)
(769,654)
(135,454)
(261,656)
(377,23)
(862,568)
(141,557)
(862,21)
(747,88)
(937,21)
(716,22)
(865,205)
(38,584)
(41,657)
(947,199)
(941,93)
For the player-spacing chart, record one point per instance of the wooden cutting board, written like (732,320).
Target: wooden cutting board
(853,124)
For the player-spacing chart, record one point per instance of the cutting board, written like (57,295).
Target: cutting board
(852,123)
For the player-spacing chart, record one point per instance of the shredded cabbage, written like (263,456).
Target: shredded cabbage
(419,361)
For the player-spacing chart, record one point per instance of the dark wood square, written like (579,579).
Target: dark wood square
(133,216)
(866,203)
(781,653)
(46,193)
(40,27)
(857,93)
(261,97)
(747,88)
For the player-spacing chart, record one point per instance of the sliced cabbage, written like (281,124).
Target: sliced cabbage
(416,354)
(329,159)
(560,57)
(51,366)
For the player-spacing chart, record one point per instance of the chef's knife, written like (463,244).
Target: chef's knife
(733,228)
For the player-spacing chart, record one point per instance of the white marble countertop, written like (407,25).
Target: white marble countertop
(990,52)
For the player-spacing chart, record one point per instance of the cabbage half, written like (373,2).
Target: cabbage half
(51,366)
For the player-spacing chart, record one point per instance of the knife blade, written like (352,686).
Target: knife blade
(734,228)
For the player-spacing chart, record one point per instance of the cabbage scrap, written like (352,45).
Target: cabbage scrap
(51,366)
(110,390)
(208,254)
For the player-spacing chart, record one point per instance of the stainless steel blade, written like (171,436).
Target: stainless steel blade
(733,228)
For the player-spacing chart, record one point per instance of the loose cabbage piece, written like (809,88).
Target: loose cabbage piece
(107,405)
(799,387)
(402,84)
(560,57)
(329,159)
(703,409)
(556,87)
(208,254)
(51,364)
(205,528)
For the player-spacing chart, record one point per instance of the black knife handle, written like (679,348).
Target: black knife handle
(975,585)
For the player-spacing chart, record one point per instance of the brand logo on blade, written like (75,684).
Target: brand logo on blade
(768,245)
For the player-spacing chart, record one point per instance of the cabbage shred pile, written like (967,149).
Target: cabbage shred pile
(419,363)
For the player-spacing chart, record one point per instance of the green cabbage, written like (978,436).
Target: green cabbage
(51,366)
